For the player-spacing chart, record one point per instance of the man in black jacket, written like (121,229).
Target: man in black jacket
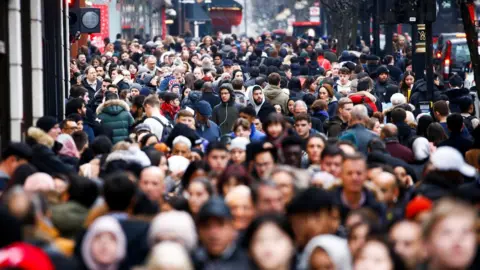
(405,132)
(457,140)
(90,82)
(395,72)
(384,87)
(457,93)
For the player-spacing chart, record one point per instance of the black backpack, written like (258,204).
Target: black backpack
(167,129)
(467,121)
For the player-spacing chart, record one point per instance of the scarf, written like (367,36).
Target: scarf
(169,110)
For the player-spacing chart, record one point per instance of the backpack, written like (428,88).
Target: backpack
(167,129)
(467,121)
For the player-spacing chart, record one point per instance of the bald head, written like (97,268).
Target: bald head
(387,186)
(151,182)
(389,131)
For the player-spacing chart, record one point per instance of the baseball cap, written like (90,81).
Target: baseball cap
(142,128)
(214,208)
(227,63)
(447,158)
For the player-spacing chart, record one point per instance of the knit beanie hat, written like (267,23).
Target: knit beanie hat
(46,123)
(203,108)
(382,69)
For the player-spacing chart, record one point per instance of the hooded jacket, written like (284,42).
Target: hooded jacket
(263,110)
(115,114)
(276,96)
(43,158)
(225,114)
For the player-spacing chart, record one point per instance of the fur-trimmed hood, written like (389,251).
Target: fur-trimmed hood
(113,107)
(132,155)
(40,137)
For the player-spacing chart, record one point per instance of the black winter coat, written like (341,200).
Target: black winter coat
(420,94)
(456,97)
(91,91)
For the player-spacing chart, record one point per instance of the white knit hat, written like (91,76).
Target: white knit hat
(398,99)
(239,143)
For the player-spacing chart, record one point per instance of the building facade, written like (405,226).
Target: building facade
(34,57)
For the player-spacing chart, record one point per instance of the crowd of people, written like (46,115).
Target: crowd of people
(267,153)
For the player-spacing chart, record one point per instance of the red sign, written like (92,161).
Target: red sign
(97,38)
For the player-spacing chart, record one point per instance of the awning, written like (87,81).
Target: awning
(225,4)
(226,12)
(195,12)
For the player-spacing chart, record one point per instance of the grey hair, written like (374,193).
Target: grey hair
(359,112)
(300,103)
(182,139)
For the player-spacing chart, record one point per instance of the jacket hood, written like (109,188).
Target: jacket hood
(230,90)
(457,92)
(113,107)
(40,137)
(69,217)
(272,91)
(252,101)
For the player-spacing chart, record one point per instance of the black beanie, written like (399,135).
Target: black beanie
(382,69)
(46,123)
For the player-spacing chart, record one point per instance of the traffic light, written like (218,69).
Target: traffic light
(82,20)
(90,20)
(407,11)
(387,12)
(73,16)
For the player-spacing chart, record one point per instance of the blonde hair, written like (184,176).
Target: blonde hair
(443,209)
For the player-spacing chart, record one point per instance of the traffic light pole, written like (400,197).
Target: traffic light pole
(376,27)
(429,59)
(419,53)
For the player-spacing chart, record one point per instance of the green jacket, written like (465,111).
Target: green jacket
(115,114)
(68,218)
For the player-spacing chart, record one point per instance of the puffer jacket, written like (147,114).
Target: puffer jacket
(276,96)
(44,158)
(115,114)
